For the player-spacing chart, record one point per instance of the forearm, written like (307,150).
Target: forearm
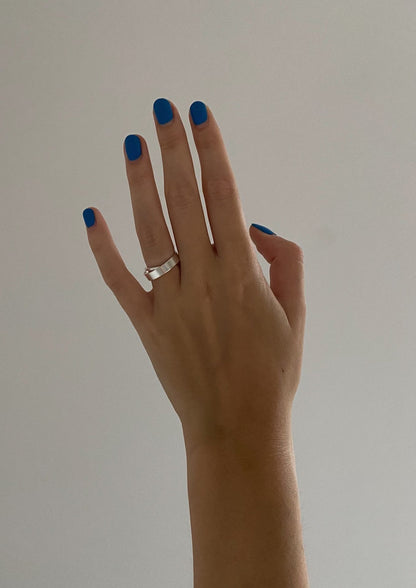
(245,516)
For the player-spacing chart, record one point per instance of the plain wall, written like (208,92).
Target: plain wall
(316,103)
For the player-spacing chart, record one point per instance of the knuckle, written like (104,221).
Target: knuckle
(297,251)
(207,139)
(299,255)
(114,280)
(169,140)
(239,280)
(202,292)
(149,237)
(180,196)
(220,188)
(138,174)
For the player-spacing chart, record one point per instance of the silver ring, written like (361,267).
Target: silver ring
(152,273)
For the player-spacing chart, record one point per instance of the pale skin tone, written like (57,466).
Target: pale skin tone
(227,348)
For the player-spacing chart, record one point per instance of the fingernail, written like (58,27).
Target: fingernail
(163,110)
(264,229)
(133,147)
(89,217)
(198,112)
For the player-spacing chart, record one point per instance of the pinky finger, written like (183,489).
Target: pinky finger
(135,301)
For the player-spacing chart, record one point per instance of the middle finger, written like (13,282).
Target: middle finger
(181,189)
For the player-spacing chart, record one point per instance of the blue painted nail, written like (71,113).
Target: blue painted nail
(89,217)
(133,147)
(264,229)
(198,112)
(163,110)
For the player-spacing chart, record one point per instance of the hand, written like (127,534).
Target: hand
(226,346)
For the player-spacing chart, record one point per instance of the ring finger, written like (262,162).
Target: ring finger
(152,231)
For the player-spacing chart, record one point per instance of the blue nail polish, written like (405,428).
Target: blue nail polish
(198,112)
(133,147)
(264,229)
(163,110)
(89,217)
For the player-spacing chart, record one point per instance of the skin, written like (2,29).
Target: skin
(226,345)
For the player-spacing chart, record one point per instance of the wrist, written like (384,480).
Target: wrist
(243,442)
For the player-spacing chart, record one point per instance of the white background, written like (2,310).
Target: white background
(316,103)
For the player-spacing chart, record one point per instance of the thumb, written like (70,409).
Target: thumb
(286,272)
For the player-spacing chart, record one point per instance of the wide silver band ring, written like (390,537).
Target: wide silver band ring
(152,273)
